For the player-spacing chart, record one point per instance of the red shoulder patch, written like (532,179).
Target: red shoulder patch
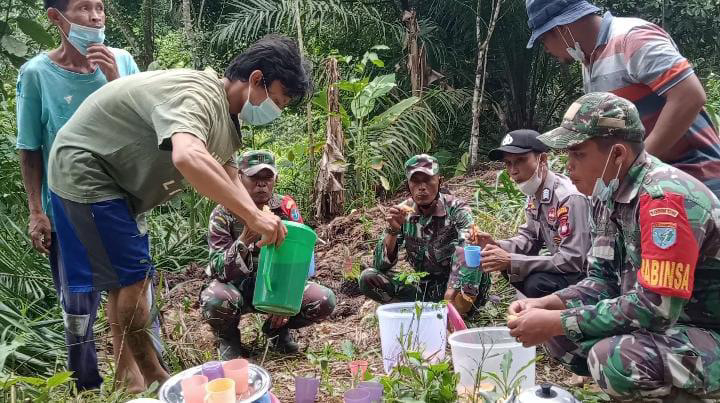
(669,248)
(290,209)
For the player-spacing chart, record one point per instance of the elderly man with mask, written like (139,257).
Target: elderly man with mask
(556,219)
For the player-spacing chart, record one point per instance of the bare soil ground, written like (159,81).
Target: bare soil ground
(348,241)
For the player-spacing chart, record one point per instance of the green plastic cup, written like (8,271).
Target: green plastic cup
(282,272)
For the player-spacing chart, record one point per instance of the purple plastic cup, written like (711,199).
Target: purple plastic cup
(213,370)
(306,389)
(357,395)
(375,388)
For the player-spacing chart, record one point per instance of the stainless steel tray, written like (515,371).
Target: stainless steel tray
(258,384)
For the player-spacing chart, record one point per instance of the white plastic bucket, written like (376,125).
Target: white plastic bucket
(400,327)
(470,346)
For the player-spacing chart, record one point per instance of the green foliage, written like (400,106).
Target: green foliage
(23,31)
(712,88)
(500,207)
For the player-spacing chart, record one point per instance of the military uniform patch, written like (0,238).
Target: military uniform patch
(663,211)
(545,195)
(669,249)
(564,227)
(551,217)
(664,234)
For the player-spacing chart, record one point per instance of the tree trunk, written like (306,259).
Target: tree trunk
(330,182)
(190,32)
(414,52)
(126,31)
(480,76)
(148,25)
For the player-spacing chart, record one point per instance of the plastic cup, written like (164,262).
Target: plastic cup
(221,390)
(472,255)
(237,370)
(193,388)
(358,368)
(375,388)
(455,319)
(306,389)
(213,370)
(357,395)
(311,270)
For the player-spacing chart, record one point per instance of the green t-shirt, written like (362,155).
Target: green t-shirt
(117,144)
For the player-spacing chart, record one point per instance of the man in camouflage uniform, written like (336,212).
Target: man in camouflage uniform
(556,219)
(433,226)
(234,261)
(645,322)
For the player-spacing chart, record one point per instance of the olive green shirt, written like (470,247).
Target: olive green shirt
(117,144)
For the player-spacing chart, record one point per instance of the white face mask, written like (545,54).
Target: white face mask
(261,114)
(531,186)
(575,52)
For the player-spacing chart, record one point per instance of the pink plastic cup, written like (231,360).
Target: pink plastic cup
(193,388)
(455,319)
(358,368)
(237,370)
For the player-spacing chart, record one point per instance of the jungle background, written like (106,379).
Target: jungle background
(392,78)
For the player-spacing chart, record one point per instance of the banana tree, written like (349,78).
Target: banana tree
(382,130)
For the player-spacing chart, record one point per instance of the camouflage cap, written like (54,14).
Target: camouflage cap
(597,114)
(422,163)
(253,161)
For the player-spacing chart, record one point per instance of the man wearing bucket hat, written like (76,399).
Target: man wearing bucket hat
(433,226)
(645,323)
(637,60)
(556,219)
(234,259)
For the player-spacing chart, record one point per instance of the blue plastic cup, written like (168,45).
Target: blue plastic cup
(473,258)
(311,270)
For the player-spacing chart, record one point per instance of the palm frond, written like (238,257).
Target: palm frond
(253,18)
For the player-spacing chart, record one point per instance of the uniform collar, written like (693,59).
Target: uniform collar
(546,192)
(440,210)
(631,183)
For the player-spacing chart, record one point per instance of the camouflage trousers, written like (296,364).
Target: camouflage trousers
(681,364)
(222,304)
(432,290)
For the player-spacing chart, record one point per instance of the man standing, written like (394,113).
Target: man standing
(134,143)
(645,323)
(636,60)
(234,258)
(433,226)
(556,219)
(50,88)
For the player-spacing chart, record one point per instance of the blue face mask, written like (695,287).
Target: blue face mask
(602,192)
(261,114)
(82,37)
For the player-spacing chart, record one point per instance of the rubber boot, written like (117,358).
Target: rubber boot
(228,344)
(281,339)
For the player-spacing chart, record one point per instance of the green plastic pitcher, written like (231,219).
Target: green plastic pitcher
(282,272)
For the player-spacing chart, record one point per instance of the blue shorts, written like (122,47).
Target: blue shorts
(102,246)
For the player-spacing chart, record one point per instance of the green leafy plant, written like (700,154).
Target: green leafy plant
(410,277)
(506,384)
